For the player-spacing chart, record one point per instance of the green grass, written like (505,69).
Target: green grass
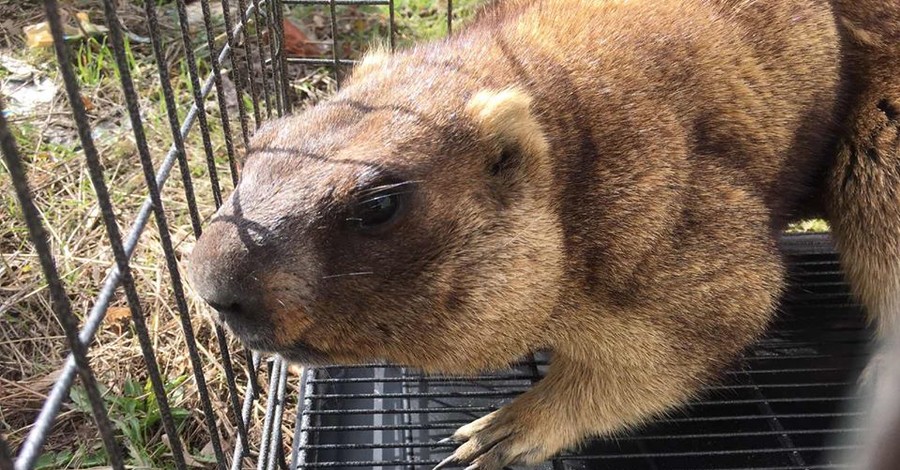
(94,60)
(809,226)
(422,19)
(136,418)
(360,26)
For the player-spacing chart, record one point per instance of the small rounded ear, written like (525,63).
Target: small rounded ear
(505,117)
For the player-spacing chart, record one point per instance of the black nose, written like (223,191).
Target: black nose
(234,299)
(228,268)
(226,280)
(224,272)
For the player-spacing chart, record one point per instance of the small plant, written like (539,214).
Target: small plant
(81,457)
(95,60)
(136,416)
(91,66)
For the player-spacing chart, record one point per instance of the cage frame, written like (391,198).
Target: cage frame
(266,102)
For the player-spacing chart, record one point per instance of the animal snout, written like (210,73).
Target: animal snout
(225,270)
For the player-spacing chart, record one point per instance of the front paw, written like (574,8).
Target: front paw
(502,438)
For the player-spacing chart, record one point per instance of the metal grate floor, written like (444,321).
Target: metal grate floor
(786,405)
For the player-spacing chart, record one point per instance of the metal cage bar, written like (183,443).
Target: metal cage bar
(239,71)
(247,64)
(133,106)
(262,59)
(274,62)
(60,301)
(124,247)
(6,459)
(780,397)
(336,63)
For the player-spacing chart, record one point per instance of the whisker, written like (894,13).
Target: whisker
(360,273)
(389,186)
(363,201)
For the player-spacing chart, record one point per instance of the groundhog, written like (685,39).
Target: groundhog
(605,180)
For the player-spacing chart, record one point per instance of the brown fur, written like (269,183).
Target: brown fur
(604,179)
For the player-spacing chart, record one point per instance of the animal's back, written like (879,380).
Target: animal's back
(747,89)
(659,114)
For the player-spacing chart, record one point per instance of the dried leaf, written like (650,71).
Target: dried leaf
(118,315)
(89,28)
(297,43)
(38,35)
(204,459)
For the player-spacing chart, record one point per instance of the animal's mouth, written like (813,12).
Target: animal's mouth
(259,337)
(254,335)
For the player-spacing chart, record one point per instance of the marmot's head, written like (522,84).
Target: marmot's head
(411,223)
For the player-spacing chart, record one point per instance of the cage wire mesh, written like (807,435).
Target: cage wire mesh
(787,404)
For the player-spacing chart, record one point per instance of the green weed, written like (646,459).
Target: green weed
(136,416)
(426,19)
(92,62)
(809,226)
(95,61)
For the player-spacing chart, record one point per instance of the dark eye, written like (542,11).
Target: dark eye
(377,210)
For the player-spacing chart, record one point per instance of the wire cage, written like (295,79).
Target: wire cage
(787,404)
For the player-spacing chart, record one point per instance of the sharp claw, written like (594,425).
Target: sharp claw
(447,440)
(448,461)
(487,448)
(476,466)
